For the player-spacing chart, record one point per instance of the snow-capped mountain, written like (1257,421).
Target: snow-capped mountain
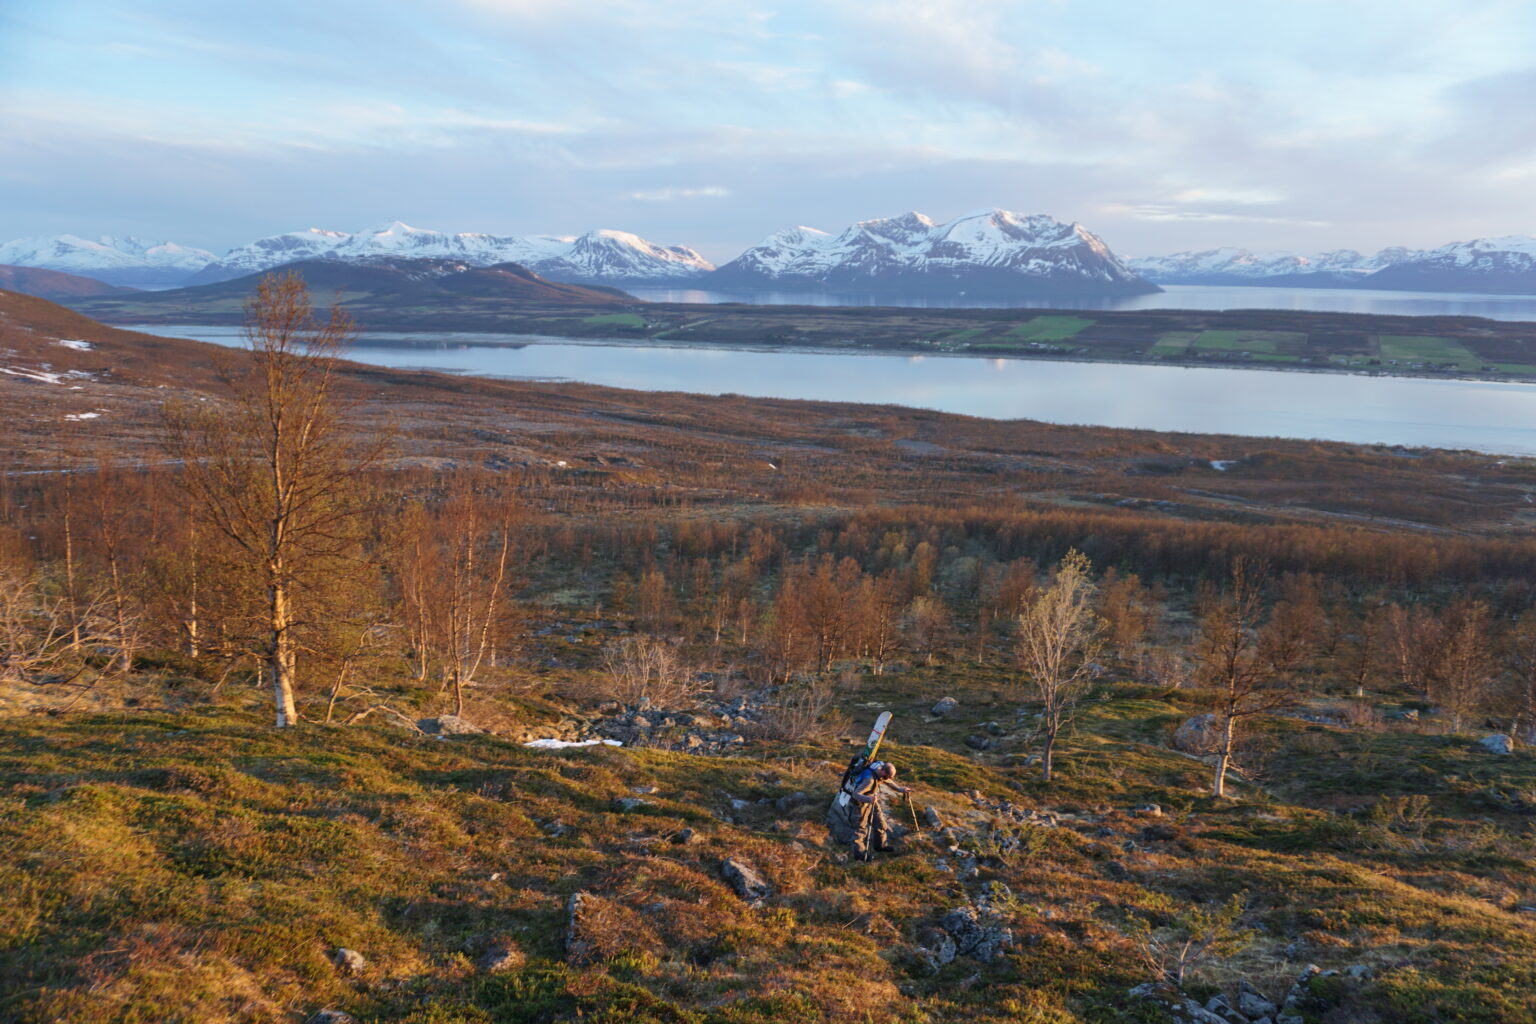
(1339,268)
(1504,265)
(122,261)
(989,251)
(596,257)
(268,252)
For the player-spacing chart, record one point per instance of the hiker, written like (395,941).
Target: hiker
(865,815)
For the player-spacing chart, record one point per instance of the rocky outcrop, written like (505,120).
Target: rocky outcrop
(945,706)
(1498,743)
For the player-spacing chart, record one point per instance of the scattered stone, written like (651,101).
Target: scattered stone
(1148,811)
(942,864)
(331,1017)
(935,947)
(1358,971)
(555,828)
(994,895)
(749,885)
(644,790)
(1498,743)
(931,817)
(630,804)
(994,729)
(349,961)
(501,959)
(687,837)
(945,706)
(1146,990)
(785,804)
(1197,735)
(978,742)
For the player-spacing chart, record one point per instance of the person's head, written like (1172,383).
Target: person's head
(885,770)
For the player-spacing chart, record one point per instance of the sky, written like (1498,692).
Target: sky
(1182,124)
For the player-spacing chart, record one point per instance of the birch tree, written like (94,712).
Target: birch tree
(276,467)
(1059,638)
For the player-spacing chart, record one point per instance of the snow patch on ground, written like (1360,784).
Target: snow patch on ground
(553,744)
(83,416)
(76,344)
(1222,465)
(41,376)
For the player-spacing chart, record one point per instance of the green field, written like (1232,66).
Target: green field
(1050,328)
(1173,343)
(1257,342)
(1418,348)
(617,319)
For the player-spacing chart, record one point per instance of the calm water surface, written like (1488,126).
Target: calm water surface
(1482,415)
(1173,296)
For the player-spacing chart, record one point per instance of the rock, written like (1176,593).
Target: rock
(749,885)
(785,804)
(330,1017)
(1219,1006)
(1191,1012)
(994,895)
(945,706)
(978,742)
(994,729)
(643,790)
(1148,811)
(942,864)
(687,837)
(1498,743)
(555,828)
(979,933)
(501,959)
(630,804)
(448,725)
(930,817)
(1197,735)
(578,947)
(1358,971)
(1146,990)
(1252,1003)
(349,961)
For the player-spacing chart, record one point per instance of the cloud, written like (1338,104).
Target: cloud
(665,195)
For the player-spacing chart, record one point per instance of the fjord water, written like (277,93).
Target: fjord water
(1486,416)
(1173,296)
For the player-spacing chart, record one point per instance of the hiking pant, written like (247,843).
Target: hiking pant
(868,822)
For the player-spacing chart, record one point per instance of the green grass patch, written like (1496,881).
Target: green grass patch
(1254,342)
(1419,348)
(616,320)
(1173,343)
(1050,328)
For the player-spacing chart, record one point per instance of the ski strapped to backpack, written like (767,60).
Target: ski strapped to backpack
(862,759)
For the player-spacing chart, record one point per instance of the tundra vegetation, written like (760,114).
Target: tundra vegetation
(1267,693)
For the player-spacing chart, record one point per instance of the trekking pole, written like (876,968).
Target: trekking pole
(906,798)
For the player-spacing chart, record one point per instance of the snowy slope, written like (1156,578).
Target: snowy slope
(1503,265)
(1228,265)
(598,256)
(987,251)
(122,261)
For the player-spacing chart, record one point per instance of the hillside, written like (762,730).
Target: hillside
(165,854)
(54,284)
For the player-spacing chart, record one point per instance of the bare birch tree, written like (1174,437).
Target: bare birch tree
(1059,638)
(275,468)
(1244,660)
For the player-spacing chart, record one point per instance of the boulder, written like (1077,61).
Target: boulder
(1197,735)
(945,706)
(1219,1006)
(630,804)
(979,742)
(448,725)
(687,837)
(749,885)
(994,729)
(1251,1002)
(1148,811)
(349,961)
(1498,743)
(978,932)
